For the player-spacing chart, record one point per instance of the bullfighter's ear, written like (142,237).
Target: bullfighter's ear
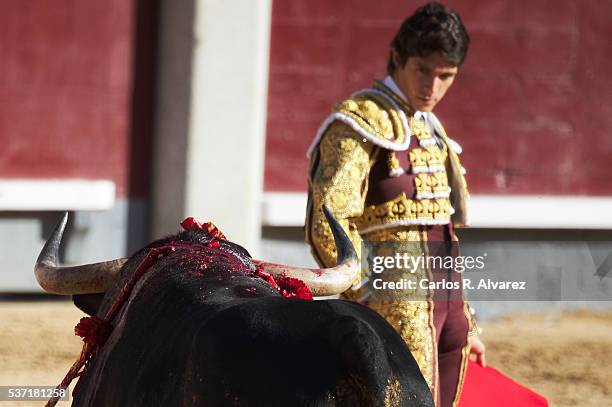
(88,303)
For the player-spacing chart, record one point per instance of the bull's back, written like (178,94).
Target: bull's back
(266,351)
(278,352)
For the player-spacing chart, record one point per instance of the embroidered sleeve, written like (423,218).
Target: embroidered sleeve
(339,171)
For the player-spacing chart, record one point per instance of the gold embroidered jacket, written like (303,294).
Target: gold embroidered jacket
(376,128)
(384,174)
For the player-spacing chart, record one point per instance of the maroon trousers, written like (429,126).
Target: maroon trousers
(451,336)
(450,321)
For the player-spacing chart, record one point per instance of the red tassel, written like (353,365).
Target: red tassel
(93,330)
(191,224)
(213,230)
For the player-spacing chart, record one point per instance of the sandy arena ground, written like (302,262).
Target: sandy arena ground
(566,357)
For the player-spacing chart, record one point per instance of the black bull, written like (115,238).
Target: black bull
(200,328)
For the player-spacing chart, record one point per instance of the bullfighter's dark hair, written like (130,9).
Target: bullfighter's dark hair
(432,28)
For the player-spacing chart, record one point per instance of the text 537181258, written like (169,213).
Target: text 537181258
(32,393)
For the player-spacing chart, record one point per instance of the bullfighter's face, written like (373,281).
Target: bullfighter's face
(424,80)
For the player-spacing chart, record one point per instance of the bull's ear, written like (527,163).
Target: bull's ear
(88,303)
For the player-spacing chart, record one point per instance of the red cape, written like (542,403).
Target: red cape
(488,387)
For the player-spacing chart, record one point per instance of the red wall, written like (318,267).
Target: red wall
(532,106)
(65,83)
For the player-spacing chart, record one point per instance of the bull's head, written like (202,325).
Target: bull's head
(98,277)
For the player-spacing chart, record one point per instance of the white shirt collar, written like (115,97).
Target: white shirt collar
(390,83)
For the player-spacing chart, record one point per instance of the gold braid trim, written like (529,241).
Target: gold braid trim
(459,192)
(405,212)
(465,355)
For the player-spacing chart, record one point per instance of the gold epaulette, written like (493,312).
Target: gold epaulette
(375,116)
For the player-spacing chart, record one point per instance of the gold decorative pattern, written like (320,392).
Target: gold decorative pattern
(424,184)
(413,320)
(465,355)
(421,131)
(374,114)
(419,159)
(427,160)
(430,186)
(456,180)
(436,157)
(440,184)
(339,181)
(404,211)
(395,169)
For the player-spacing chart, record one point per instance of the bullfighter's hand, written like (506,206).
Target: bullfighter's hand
(477,348)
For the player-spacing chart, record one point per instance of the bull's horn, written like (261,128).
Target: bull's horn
(329,281)
(85,279)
